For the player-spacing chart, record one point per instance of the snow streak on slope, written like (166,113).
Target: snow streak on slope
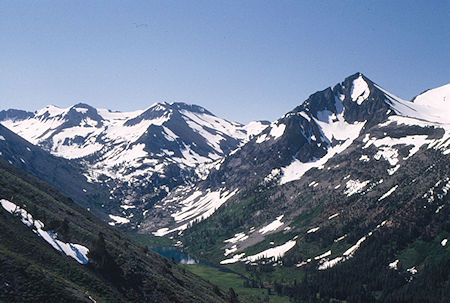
(237,238)
(388,193)
(272,226)
(326,263)
(273,253)
(76,251)
(198,206)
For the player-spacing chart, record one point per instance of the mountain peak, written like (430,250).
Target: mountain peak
(82,105)
(49,111)
(354,76)
(191,107)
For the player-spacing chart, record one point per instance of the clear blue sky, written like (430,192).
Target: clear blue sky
(242,60)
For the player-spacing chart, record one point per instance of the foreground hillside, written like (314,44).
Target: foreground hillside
(52,250)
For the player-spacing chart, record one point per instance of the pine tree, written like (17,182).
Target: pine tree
(231,296)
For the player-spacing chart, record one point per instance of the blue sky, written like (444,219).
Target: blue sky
(242,60)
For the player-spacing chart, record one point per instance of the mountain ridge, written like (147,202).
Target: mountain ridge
(161,147)
(305,138)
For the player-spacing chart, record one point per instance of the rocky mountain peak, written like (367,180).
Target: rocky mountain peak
(357,98)
(165,110)
(81,113)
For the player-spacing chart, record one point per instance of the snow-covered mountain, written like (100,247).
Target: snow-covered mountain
(351,187)
(327,124)
(140,155)
(203,160)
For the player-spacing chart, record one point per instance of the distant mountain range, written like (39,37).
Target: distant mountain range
(138,157)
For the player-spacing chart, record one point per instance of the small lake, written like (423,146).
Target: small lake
(177,254)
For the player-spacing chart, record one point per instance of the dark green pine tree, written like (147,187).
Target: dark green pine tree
(231,296)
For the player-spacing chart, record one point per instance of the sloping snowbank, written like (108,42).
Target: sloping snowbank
(76,251)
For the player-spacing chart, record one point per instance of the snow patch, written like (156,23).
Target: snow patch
(272,226)
(340,238)
(360,90)
(325,254)
(273,174)
(254,128)
(412,270)
(273,253)
(392,170)
(234,259)
(388,193)
(118,220)
(125,206)
(333,216)
(325,263)
(230,250)
(394,265)
(277,130)
(313,230)
(364,158)
(330,263)
(204,206)
(261,138)
(237,238)
(354,187)
(76,251)
(351,250)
